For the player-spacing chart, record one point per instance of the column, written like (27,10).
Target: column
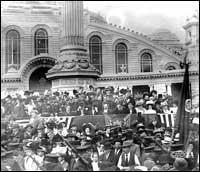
(72,24)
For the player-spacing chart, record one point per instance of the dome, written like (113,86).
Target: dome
(163,34)
(95,17)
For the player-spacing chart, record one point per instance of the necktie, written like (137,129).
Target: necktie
(126,159)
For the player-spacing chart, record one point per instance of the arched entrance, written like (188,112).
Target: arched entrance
(33,73)
(38,81)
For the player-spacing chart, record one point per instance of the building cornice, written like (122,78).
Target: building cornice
(11,80)
(146,76)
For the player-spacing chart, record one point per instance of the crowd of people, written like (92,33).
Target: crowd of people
(51,146)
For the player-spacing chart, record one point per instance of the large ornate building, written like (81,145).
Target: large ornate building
(31,41)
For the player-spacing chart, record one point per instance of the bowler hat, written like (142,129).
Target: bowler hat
(127,143)
(176,147)
(57,138)
(85,146)
(72,136)
(51,158)
(149,149)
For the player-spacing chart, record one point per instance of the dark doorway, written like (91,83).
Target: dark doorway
(38,81)
(140,89)
(176,90)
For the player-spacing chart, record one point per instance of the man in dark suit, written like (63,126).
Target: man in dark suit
(84,164)
(128,159)
(115,154)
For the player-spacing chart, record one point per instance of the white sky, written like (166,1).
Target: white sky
(146,16)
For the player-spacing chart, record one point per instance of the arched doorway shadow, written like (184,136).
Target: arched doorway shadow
(38,81)
(33,73)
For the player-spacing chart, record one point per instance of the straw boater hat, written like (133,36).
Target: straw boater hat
(140,102)
(163,104)
(150,102)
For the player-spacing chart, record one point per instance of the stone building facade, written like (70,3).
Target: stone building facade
(30,44)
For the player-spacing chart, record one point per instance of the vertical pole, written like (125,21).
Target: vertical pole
(12,52)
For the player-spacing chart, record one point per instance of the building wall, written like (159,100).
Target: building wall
(30,17)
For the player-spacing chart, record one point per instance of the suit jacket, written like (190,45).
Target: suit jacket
(136,149)
(115,157)
(105,157)
(79,166)
(131,161)
(152,127)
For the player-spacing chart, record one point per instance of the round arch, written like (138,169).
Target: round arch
(172,64)
(124,41)
(49,32)
(148,51)
(34,64)
(3,37)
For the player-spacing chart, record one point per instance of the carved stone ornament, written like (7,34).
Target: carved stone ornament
(69,65)
(83,64)
(73,65)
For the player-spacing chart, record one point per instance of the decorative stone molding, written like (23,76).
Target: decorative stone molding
(145,50)
(147,76)
(24,73)
(11,80)
(120,40)
(41,26)
(73,65)
(172,64)
(13,27)
(95,33)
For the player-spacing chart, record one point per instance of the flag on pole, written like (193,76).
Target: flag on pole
(183,113)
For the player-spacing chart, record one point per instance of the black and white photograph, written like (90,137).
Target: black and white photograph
(99,85)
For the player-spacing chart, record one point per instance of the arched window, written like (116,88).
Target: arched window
(95,46)
(171,68)
(146,63)
(41,41)
(13,49)
(121,58)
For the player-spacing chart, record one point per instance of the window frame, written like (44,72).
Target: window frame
(148,62)
(99,53)
(10,59)
(37,49)
(124,52)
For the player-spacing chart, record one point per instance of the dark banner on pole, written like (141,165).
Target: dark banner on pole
(183,113)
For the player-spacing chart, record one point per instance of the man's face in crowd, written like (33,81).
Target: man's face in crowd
(29,129)
(119,107)
(130,106)
(101,147)
(95,157)
(68,109)
(126,149)
(87,130)
(74,130)
(146,97)
(117,145)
